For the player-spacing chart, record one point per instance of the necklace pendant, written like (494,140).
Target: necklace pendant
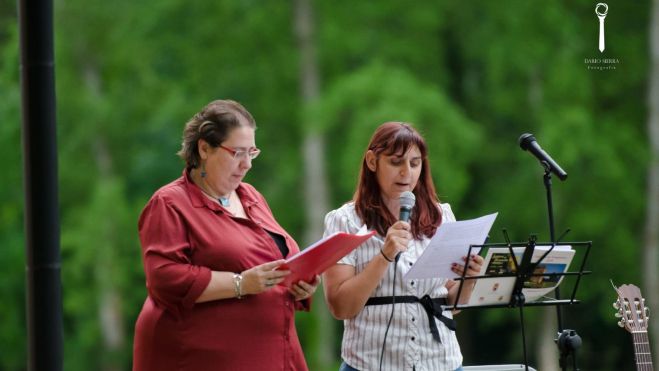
(224,201)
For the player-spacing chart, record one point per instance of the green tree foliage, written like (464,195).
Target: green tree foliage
(12,240)
(472,76)
(359,102)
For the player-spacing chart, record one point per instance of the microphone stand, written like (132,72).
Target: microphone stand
(568,341)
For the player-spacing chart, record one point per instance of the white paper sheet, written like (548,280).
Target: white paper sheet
(449,244)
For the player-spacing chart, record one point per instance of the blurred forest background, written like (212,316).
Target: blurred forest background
(319,76)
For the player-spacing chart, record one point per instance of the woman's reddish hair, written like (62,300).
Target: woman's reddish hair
(397,138)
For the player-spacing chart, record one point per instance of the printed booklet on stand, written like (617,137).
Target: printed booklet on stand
(498,261)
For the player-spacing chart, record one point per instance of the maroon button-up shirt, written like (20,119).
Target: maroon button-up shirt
(184,237)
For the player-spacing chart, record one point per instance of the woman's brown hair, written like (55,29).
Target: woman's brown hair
(212,124)
(397,138)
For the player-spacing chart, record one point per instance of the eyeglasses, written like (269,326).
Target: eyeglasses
(239,154)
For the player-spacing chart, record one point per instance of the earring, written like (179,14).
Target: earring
(203,170)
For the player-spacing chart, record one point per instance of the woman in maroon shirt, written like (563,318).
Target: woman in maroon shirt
(210,247)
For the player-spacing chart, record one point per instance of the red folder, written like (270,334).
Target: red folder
(316,258)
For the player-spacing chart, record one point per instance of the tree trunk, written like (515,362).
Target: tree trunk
(109,300)
(546,347)
(651,245)
(315,181)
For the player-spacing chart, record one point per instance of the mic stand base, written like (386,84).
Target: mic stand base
(568,342)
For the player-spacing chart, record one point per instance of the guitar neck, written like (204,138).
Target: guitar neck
(642,351)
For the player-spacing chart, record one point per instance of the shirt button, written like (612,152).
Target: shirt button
(412,283)
(410,264)
(413,319)
(413,338)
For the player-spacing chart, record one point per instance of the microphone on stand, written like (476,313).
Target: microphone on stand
(528,143)
(407,201)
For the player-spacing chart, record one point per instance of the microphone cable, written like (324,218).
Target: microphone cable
(393,307)
(407,201)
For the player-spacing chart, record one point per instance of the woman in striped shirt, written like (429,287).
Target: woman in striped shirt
(366,288)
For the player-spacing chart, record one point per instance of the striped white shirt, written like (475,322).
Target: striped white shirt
(410,344)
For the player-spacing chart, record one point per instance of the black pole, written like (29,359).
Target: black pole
(521,320)
(44,301)
(552,235)
(567,340)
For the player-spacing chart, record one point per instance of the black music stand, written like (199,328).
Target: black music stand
(522,272)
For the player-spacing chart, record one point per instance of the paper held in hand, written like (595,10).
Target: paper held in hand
(449,244)
(316,258)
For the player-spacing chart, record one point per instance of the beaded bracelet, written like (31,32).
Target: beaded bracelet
(237,285)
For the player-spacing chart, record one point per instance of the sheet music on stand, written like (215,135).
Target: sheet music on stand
(498,265)
(523,283)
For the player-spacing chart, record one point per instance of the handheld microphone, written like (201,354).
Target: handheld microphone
(528,143)
(407,200)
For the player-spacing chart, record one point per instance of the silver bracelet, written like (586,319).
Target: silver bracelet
(237,285)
